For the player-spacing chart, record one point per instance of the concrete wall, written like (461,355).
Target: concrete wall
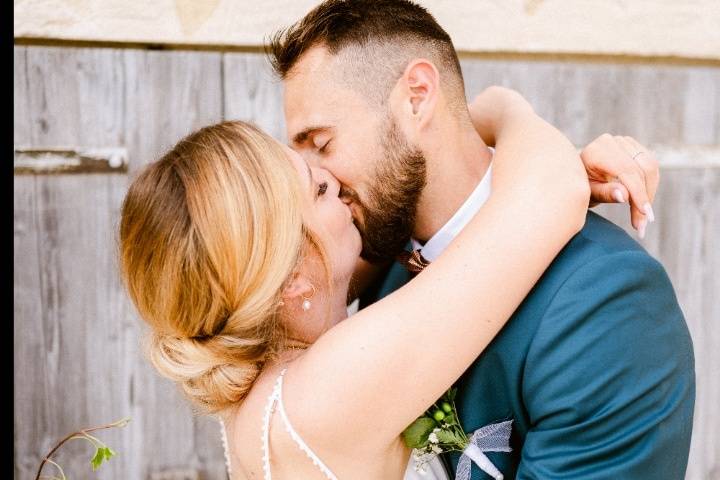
(657,28)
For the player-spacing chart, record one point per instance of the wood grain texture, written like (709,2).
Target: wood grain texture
(167,96)
(253,93)
(76,328)
(657,104)
(79,363)
(77,338)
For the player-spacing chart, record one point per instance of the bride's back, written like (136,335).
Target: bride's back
(244,426)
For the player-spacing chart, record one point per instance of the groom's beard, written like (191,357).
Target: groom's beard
(391,205)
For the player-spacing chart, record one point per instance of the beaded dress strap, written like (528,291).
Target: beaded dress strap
(226,450)
(276,398)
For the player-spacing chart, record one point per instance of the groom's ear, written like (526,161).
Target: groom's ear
(419,87)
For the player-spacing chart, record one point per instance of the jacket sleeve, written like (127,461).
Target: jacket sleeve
(609,382)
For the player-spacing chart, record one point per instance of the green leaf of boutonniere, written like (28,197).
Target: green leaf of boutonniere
(448,436)
(450,419)
(450,395)
(416,435)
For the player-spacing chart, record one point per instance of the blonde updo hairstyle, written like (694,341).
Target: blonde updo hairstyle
(209,236)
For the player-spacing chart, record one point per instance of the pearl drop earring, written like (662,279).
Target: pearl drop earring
(306,300)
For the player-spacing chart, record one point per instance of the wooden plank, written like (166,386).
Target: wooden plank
(21,108)
(585,100)
(701,116)
(99,98)
(695,157)
(167,96)
(175,475)
(30,349)
(76,325)
(253,93)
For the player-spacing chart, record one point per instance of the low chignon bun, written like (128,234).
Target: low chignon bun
(209,234)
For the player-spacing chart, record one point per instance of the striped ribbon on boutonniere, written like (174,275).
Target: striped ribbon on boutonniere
(490,438)
(438,431)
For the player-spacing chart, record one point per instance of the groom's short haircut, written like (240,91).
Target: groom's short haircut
(374,41)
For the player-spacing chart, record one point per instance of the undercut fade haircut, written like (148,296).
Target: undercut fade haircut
(374,40)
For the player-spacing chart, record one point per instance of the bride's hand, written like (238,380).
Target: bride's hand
(619,169)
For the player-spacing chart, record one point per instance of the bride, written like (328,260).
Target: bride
(239,256)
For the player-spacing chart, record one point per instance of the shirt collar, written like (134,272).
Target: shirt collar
(440,241)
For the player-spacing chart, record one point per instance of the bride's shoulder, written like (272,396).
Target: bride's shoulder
(253,405)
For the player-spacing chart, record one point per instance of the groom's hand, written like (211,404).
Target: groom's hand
(620,169)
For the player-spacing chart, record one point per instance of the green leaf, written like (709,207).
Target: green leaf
(109,453)
(446,436)
(450,395)
(416,435)
(98,458)
(450,419)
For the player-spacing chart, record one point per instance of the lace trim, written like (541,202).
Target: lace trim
(276,396)
(265,437)
(226,450)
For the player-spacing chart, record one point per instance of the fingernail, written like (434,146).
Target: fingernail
(649,212)
(641,228)
(617,194)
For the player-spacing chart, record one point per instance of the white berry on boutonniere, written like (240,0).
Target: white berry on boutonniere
(439,430)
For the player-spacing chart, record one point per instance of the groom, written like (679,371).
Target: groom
(596,367)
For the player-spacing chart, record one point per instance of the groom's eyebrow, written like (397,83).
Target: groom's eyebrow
(302,136)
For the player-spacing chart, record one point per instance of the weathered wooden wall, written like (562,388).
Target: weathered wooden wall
(77,356)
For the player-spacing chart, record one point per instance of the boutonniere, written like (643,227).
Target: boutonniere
(438,431)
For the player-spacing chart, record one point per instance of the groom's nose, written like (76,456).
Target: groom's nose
(311,159)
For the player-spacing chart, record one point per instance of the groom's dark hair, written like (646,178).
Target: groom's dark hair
(376,39)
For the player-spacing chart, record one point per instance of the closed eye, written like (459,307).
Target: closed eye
(322,149)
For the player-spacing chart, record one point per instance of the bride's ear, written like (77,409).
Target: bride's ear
(299,287)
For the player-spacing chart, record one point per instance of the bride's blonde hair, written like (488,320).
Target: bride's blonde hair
(209,234)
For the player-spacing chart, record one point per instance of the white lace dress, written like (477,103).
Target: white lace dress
(434,470)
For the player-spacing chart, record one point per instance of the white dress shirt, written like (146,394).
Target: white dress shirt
(440,241)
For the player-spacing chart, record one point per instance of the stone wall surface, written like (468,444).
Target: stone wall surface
(664,28)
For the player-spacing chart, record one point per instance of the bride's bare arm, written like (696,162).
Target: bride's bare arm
(615,172)
(373,374)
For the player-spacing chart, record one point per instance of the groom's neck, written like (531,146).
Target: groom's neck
(457,160)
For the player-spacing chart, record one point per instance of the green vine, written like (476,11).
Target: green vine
(102,451)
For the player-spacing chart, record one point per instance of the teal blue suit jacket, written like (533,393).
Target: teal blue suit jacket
(595,368)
